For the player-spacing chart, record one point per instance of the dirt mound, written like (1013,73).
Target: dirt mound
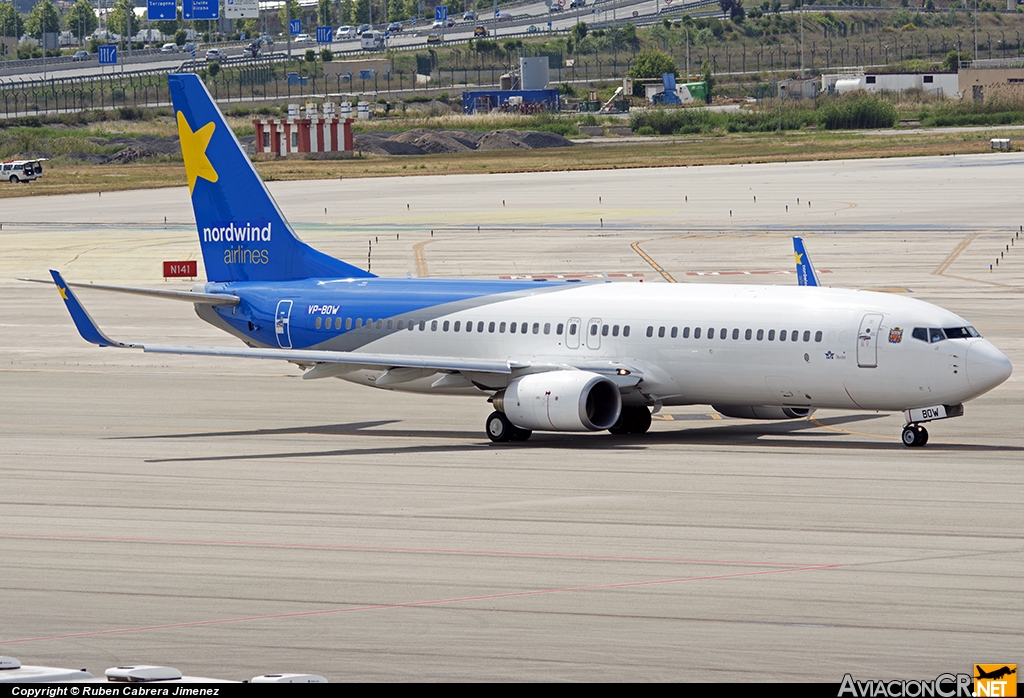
(368,143)
(132,153)
(501,140)
(425,141)
(432,142)
(543,139)
(157,144)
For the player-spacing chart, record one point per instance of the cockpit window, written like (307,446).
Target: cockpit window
(937,334)
(960,332)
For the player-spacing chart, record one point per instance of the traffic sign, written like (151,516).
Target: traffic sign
(561,3)
(635,13)
(323,35)
(161,9)
(200,9)
(440,13)
(107,54)
(295,27)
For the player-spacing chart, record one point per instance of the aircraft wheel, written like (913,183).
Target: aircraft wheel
(641,420)
(624,424)
(520,434)
(914,436)
(499,429)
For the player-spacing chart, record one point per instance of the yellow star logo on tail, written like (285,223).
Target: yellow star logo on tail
(799,258)
(63,292)
(193,149)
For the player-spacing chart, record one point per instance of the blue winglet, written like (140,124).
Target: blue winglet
(85,324)
(805,274)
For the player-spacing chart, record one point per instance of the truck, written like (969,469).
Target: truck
(372,40)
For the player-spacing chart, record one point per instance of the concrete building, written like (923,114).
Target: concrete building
(983,80)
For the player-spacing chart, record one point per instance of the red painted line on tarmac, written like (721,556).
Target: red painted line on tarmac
(415,604)
(382,549)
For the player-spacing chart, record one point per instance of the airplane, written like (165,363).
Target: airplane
(995,674)
(550,355)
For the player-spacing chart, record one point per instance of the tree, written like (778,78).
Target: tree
(576,36)
(951,63)
(81,20)
(325,13)
(650,64)
(44,18)
(117,20)
(726,6)
(164,26)
(630,37)
(709,80)
(11,23)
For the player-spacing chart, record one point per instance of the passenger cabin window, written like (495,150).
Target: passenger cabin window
(760,335)
(771,335)
(433,325)
(711,333)
(748,334)
(536,327)
(675,332)
(723,333)
(696,333)
(547,328)
(736,334)
(501,327)
(817,336)
(686,333)
(318,323)
(337,323)
(490,327)
(782,336)
(559,329)
(625,331)
(661,331)
(807,335)
(650,330)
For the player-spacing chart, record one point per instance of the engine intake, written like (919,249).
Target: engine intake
(561,401)
(761,412)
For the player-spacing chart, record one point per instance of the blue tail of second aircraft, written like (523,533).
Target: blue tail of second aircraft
(243,234)
(805,274)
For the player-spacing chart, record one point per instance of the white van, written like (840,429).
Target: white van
(372,41)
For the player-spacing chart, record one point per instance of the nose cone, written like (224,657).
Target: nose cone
(987,367)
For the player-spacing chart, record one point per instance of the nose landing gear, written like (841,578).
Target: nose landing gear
(914,436)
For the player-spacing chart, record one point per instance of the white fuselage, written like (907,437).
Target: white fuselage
(852,349)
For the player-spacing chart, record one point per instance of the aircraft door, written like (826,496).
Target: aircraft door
(867,341)
(594,333)
(572,333)
(282,324)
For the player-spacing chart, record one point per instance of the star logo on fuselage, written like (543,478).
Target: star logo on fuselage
(193,150)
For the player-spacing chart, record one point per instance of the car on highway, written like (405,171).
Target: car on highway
(555,7)
(189,48)
(434,39)
(303,39)
(345,32)
(215,54)
(80,56)
(363,28)
(169,48)
(480,31)
(469,16)
(394,27)
(438,24)
(577,3)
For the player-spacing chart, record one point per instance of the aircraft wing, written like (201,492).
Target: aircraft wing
(624,375)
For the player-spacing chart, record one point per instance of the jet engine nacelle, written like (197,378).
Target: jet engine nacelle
(561,401)
(760,412)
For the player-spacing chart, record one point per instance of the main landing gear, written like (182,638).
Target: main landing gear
(914,436)
(500,430)
(632,420)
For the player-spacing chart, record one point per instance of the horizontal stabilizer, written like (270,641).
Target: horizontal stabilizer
(190,296)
